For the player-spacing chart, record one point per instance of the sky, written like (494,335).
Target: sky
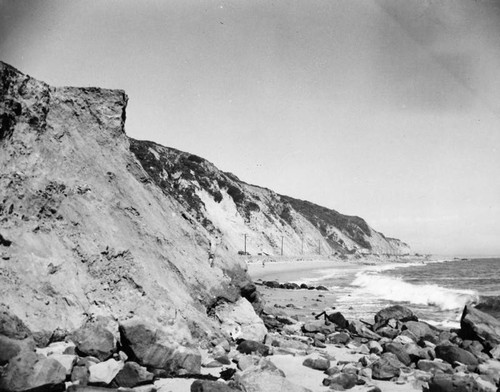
(384,109)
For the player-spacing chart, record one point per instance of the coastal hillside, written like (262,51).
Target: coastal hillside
(244,217)
(95,223)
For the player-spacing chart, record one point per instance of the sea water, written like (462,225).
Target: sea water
(436,291)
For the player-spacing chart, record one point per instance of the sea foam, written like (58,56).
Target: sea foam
(395,289)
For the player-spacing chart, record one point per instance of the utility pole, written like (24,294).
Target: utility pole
(281,245)
(302,247)
(319,246)
(245,244)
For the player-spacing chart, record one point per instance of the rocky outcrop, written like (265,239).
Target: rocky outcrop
(480,326)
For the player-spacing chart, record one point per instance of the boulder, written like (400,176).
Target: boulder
(313,326)
(452,354)
(491,369)
(252,347)
(67,360)
(387,367)
(105,372)
(132,374)
(452,383)
(396,312)
(341,381)
(211,386)
(160,347)
(10,348)
(80,375)
(374,347)
(339,338)
(241,317)
(360,329)
(263,381)
(495,352)
(94,340)
(317,363)
(434,366)
(422,331)
(490,305)
(255,363)
(399,351)
(12,326)
(388,332)
(29,371)
(338,319)
(477,325)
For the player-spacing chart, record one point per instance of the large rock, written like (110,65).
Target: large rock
(67,360)
(12,326)
(358,328)
(481,326)
(317,363)
(434,366)
(453,383)
(399,351)
(211,386)
(422,330)
(133,374)
(30,370)
(105,372)
(387,367)
(491,369)
(396,312)
(341,381)
(94,340)
(338,319)
(240,320)
(10,348)
(161,348)
(259,381)
(253,347)
(452,354)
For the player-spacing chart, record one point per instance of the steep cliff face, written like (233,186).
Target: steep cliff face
(238,214)
(93,222)
(84,229)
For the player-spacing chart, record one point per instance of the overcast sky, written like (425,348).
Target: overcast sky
(385,109)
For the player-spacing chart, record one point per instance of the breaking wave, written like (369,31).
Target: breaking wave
(395,289)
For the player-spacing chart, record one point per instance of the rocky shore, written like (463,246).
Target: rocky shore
(284,350)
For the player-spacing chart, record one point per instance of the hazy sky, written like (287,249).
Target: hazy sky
(385,109)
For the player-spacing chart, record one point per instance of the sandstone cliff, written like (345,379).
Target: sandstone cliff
(84,230)
(93,222)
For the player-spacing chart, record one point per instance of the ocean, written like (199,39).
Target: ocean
(436,291)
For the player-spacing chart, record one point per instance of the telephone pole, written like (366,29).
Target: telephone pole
(245,244)
(302,247)
(281,245)
(319,246)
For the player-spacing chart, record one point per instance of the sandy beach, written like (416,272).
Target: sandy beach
(305,305)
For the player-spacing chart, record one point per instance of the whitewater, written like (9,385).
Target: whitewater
(436,291)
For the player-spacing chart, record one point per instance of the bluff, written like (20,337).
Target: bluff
(96,223)
(240,215)
(84,230)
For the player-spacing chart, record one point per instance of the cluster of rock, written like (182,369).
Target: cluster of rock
(398,347)
(135,355)
(101,353)
(291,286)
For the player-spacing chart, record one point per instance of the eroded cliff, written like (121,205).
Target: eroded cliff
(84,230)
